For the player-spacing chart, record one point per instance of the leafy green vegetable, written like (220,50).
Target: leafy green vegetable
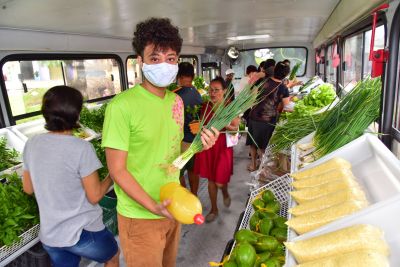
(321,96)
(101,154)
(172,86)
(8,157)
(194,111)
(18,211)
(199,82)
(93,119)
(294,71)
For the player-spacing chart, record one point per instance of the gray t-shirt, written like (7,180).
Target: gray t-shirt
(57,164)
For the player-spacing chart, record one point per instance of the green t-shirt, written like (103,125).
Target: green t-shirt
(150,129)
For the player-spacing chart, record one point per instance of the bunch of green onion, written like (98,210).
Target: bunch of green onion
(221,115)
(291,131)
(350,117)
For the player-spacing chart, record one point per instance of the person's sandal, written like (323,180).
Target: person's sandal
(211,217)
(227,201)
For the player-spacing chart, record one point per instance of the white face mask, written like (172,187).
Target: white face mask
(160,75)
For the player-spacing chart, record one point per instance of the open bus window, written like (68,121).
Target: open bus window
(255,57)
(379,44)
(331,71)
(352,61)
(133,71)
(27,81)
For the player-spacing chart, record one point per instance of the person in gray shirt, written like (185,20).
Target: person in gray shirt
(61,170)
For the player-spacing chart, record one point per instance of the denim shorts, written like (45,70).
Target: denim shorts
(98,246)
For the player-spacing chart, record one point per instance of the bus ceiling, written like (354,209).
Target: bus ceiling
(215,23)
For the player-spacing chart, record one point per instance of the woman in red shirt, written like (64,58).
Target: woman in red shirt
(216,163)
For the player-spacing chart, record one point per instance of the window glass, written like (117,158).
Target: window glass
(331,72)
(352,61)
(134,72)
(27,81)
(379,44)
(396,119)
(192,60)
(255,57)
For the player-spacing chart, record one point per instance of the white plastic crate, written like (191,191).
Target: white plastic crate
(27,130)
(296,153)
(377,170)
(385,215)
(28,239)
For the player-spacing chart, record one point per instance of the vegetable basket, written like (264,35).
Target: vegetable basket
(27,240)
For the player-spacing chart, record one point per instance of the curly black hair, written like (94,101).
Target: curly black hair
(157,31)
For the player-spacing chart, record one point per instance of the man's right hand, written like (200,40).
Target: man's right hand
(161,209)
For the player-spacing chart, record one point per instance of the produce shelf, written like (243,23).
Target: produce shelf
(385,215)
(28,239)
(27,130)
(376,169)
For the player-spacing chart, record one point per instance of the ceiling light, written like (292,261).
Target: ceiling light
(248,37)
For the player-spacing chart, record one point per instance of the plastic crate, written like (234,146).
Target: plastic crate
(34,257)
(109,206)
(228,249)
(7,252)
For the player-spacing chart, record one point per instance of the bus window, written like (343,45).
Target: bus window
(321,65)
(27,81)
(134,72)
(396,115)
(379,44)
(352,61)
(255,57)
(331,72)
(192,60)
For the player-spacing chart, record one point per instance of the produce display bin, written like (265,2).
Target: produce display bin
(385,215)
(27,130)
(281,188)
(296,153)
(27,240)
(377,170)
(33,257)
(13,142)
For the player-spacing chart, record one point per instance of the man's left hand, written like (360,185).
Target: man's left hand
(209,137)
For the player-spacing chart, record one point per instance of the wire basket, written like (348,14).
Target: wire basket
(281,188)
(28,236)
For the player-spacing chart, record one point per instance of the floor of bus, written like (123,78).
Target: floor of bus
(201,244)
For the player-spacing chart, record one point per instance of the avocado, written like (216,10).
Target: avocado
(279,233)
(272,262)
(245,235)
(258,204)
(230,263)
(254,220)
(266,243)
(265,226)
(245,255)
(268,196)
(261,258)
(265,214)
(273,206)
(280,222)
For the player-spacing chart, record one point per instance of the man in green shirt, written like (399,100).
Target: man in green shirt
(142,134)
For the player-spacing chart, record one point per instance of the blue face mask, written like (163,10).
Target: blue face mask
(160,75)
